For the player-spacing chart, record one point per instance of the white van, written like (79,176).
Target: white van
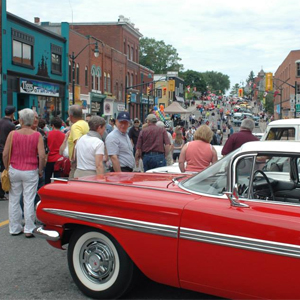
(286,129)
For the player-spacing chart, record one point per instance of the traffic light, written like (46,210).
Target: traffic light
(241,93)
(128,98)
(148,91)
(269,81)
(164,91)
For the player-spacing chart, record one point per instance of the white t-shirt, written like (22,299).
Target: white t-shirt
(87,147)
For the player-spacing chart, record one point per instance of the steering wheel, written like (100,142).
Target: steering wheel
(267,180)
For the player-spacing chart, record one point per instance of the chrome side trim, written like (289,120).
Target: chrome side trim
(147,227)
(133,186)
(240,242)
(50,235)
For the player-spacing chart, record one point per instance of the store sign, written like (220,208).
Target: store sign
(40,88)
(121,107)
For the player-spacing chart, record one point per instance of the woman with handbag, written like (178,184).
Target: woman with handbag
(55,139)
(24,169)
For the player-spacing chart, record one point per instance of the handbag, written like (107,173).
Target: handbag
(5,182)
(63,166)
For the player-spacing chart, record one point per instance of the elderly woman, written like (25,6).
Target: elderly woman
(25,166)
(90,149)
(198,154)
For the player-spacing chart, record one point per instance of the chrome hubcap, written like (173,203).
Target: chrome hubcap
(97,261)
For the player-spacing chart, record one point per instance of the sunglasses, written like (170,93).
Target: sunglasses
(136,122)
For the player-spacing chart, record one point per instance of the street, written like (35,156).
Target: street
(32,269)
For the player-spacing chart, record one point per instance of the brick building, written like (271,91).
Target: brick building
(287,81)
(120,69)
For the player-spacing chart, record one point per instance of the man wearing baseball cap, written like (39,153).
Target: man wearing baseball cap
(119,147)
(153,145)
(6,126)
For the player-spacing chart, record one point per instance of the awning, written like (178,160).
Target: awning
(179,99)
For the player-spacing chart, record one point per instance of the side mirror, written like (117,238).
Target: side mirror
(234,198)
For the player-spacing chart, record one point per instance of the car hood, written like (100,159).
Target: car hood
(135,179)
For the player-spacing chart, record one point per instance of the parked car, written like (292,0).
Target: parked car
(231,230)
(283,130)
(238,121)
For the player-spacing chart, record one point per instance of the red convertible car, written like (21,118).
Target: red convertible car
(232,230)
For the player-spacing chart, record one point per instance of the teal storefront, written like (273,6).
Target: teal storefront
(34,67)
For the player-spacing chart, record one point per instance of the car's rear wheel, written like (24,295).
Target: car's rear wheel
(98,264)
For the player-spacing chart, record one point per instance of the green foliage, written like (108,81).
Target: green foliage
(250,77)
(194,79)
(268,104)
(158,56)
(234,90)
(216,81)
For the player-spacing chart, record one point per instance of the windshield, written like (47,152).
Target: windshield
(212,180)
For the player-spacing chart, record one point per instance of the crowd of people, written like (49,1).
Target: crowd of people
(33,152)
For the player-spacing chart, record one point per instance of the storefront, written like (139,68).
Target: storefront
(43,97)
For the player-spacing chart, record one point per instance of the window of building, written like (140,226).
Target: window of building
(128,51)
(86,76)
(108,83)
(70,72)
(298,69)
(158,93)
(56,62)
(131,53)
(77,73)
(131,81)
(105,82)
(120,92)
(99,78)
(22,51)
(93,72)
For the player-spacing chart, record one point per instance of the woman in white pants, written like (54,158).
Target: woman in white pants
(26,165)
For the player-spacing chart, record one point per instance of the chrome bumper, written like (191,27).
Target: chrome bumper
(50,235)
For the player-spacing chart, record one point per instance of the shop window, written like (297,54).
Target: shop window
(77,73)
(86,76)
(56,63)
(105,83)
(22,53)
(108,83)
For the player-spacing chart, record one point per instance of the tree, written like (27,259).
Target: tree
(234,90)
(216,81)
(158,56)
(194,79)
(268,103)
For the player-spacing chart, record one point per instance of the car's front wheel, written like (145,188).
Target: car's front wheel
(99,265)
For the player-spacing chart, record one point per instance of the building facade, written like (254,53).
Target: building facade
(287,81)
(34,66)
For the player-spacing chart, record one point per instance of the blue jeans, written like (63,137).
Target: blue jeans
(152,161)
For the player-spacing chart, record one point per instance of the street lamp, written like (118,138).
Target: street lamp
(73,57)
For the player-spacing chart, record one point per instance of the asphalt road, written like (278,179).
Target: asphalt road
(32,269)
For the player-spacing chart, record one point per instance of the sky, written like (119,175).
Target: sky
(227,36)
